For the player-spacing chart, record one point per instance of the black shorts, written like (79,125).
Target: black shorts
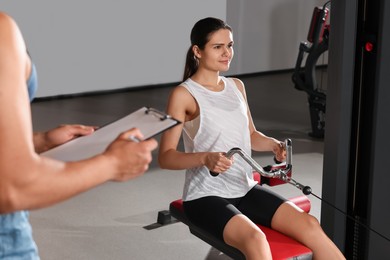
(212,213)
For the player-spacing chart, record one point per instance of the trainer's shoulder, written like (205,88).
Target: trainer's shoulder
(5,21)
(9,30)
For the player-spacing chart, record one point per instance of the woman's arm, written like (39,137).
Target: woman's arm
(259,141)
(31,181)
(182,106)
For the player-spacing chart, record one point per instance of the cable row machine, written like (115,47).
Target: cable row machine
(305,78)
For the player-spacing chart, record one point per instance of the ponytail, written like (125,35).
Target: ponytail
(191,65)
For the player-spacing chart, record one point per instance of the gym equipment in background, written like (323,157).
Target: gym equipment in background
(305,78)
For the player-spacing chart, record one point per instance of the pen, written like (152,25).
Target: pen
(134,139)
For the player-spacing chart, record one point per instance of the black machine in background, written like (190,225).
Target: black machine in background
(305,78)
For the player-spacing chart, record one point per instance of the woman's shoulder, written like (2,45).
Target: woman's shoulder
(181,99)
(182,87)
(237,82)
(180,92)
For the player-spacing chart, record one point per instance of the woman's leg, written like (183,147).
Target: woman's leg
(257,206)
(241,233)
(292,221)
(221,218)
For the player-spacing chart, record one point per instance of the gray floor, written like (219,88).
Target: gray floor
(115,220)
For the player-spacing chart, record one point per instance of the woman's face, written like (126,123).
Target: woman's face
(218,52)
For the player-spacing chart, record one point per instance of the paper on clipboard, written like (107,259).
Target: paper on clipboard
(149,120)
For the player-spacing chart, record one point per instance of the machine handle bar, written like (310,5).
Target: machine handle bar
(280,173)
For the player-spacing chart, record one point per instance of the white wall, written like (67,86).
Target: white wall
(93,45)
(267,33)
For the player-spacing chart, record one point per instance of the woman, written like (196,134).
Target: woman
(217,118)
(29,181)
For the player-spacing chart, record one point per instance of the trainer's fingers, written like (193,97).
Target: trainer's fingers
(151,144)
(133,133)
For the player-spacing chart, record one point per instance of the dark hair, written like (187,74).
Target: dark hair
(200,35)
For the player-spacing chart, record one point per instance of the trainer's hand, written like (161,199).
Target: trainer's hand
(132,159)
(44,141)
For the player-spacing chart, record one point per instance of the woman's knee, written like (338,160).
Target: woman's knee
(244,235)
(308,231)
(255,237)
(305,225)
(240,229)
(311,223)
(254,245)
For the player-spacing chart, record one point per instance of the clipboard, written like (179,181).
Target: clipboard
(150,121)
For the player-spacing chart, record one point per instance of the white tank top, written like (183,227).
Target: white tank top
(223,124)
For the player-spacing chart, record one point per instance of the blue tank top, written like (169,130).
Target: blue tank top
(32,82)
(16,241)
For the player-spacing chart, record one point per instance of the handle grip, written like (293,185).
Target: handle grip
(276,161)
(214,174)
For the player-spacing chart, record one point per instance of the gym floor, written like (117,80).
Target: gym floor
(118,220)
